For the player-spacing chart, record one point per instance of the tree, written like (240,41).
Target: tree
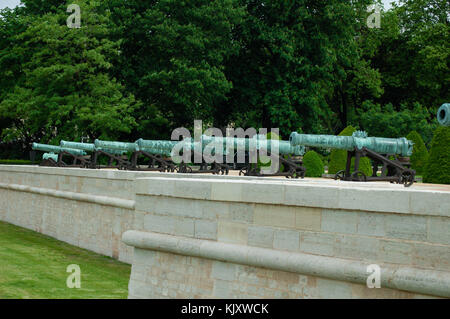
(64,90)
(41,7)
(419,157)
(313,164)
(172,57)
(11,23)
(292,56)
(438,168)
(386,121)
(412,54)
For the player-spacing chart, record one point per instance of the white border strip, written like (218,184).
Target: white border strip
(96,199)
(422,281)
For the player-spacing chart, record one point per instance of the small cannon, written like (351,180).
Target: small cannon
(112,154)
(158,152)
(378,149)
(114,151)
(75,154)
(443,114)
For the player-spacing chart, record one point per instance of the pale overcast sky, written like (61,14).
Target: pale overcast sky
(13,3)
(8,3)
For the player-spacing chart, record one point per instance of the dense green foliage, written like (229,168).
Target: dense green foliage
(438,166)
(63,89)
(389,122)
(313,164)
(410,53)
(33,266)
(173,55)
(292,55)
(338,158)
(142,68)
(419,157)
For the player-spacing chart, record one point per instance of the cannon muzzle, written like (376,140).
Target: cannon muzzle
(443,114)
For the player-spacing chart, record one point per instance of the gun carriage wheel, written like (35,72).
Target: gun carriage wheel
(358,176)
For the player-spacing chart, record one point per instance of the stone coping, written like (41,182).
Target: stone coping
(64,171)
(130,175)
(423,281)
(96,199)
(336,195)
(431,200)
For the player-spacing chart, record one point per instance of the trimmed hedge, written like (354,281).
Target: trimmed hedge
(15,162)
(437,170)
(313,164)
(419,157)
(338,158)
(365,166)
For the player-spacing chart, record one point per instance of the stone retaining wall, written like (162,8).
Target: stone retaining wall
(401,229)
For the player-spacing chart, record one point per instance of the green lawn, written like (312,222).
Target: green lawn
(34,266)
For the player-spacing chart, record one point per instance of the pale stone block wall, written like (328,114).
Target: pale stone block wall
(370,223)
(167,266)
(206,210)
(163,275)
(363,223)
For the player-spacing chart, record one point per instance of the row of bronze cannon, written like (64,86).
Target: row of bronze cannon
(126,156)
(392,154)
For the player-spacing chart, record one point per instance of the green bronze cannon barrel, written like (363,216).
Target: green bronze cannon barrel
(443,114)
(119,146)
(201,146)
(166,147)
(284,147)
(226,142)
(57,149)
(257,142)
(359,140)
(156,147)
(206,142)
(88,147)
